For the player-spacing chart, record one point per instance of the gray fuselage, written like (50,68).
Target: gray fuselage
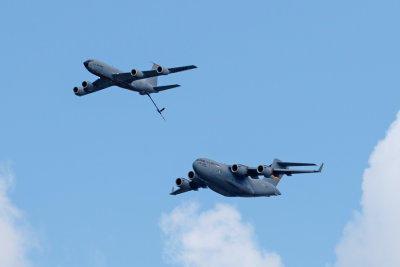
(220,179)
(106,71)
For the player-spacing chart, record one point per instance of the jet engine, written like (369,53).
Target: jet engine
(162,70)
(195,181)
(264,170)
(182,183)
(191,175)
(239,170)
(79,91)
(137,73)
(87,86)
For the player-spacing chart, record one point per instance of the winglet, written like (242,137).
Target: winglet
(320,168)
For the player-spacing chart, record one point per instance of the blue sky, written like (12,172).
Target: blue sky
(299,80)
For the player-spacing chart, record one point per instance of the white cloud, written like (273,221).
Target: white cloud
(14,240)
(372,237)
(216,237)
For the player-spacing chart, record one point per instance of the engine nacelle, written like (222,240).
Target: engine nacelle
(162,70)
(182,183)
(191,175)
(264,170)
(195,181)
(137,73)
(79,91)
(239,170)
(87,86)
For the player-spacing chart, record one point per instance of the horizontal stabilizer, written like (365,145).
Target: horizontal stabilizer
(178,69)
(165,87)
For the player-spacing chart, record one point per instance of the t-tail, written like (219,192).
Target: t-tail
(153,82)
(280,168)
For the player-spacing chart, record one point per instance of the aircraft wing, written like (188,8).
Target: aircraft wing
(290,172)
(287,164)
(252,171)
(128,78)
(154,72)
(186,185)
(125,77)
(89,88)
(179,191)
(102,83)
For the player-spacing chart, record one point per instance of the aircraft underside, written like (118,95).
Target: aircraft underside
(231,189)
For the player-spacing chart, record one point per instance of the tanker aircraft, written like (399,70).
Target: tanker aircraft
(143,82)
(238,180)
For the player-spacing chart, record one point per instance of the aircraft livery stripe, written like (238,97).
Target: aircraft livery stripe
(276,177)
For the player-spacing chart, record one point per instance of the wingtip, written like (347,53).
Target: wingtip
(320,168)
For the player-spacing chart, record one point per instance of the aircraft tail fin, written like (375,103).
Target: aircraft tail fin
(153,80)
(275,177)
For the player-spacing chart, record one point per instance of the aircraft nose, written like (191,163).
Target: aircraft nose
(196,165)
(199,165)
(86,63)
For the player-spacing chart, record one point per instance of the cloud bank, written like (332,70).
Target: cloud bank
(216,237)
(13,238)
(372,237)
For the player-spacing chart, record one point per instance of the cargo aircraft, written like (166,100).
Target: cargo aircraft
(238,180)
